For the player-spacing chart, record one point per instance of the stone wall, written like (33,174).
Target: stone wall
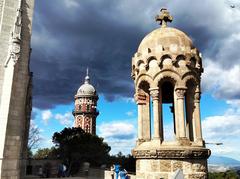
(14,83)
(151,168)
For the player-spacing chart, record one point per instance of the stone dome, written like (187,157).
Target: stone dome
(166,38)
(86,89)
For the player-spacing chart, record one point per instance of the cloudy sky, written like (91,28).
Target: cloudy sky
(71,35)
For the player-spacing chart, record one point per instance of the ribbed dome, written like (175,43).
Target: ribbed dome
(165,37)
(86,89)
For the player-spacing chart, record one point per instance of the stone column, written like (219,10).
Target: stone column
(197,117)
(143,116)
(176,128)
(180,112)
(140,120)
(146,118)
(154,92)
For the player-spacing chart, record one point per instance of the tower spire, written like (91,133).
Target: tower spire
(87,78)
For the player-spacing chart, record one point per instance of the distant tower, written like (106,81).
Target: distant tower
(167,69)
(85,112)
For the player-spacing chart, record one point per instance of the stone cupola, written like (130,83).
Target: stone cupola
(167,68)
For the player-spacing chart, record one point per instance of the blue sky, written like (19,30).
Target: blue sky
(117,122)
(71,35)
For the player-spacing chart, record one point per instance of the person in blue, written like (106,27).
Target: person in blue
(116,169)
(123,174)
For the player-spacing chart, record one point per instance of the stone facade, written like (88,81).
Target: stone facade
(85,112)
(167,70)
(15,85)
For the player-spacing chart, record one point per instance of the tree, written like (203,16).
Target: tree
(230,174)
(75,145)
(45,153)
(33,137)
(128,162)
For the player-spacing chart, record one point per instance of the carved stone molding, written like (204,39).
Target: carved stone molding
(197,96)
(180,92)
(172,154)
(15,41)
(154,92)
(140,98)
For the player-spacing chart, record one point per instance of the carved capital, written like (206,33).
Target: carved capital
(154,92)
(180,92)
(140,98)
(197,96)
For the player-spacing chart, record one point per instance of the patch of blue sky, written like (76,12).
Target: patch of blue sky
(117,111)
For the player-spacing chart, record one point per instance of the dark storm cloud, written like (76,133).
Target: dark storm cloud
(69,36)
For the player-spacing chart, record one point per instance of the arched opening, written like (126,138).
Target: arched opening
(167,107)
(189,109)
(180,61)
(166,60)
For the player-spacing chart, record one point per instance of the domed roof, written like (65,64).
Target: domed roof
(86,89)
(164,37)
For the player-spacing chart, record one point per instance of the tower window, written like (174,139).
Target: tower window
(88,108)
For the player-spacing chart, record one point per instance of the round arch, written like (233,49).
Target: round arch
(144,77)
(168,74)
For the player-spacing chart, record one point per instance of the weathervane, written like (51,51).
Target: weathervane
(164,17)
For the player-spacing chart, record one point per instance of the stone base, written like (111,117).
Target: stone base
(161,161)
(10,169)
(165,168)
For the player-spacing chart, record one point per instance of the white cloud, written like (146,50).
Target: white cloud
(120,135)
(224,83)
(168,130)
(117,130)
(128,100)
(224,129)
(71,3)
(124,146)
(65,119)
(131,113)
(46,115)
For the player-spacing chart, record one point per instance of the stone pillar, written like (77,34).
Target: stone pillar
(146,118)
(156,113)
(197,117)
(160,115)
(176,128)
(142,101)
(180,112)
(140,120)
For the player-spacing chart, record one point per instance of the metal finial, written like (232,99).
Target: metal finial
(87,78)
(164,17)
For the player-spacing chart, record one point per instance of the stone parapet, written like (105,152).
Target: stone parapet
(189,153)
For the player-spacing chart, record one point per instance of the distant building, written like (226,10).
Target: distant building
(85,112)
